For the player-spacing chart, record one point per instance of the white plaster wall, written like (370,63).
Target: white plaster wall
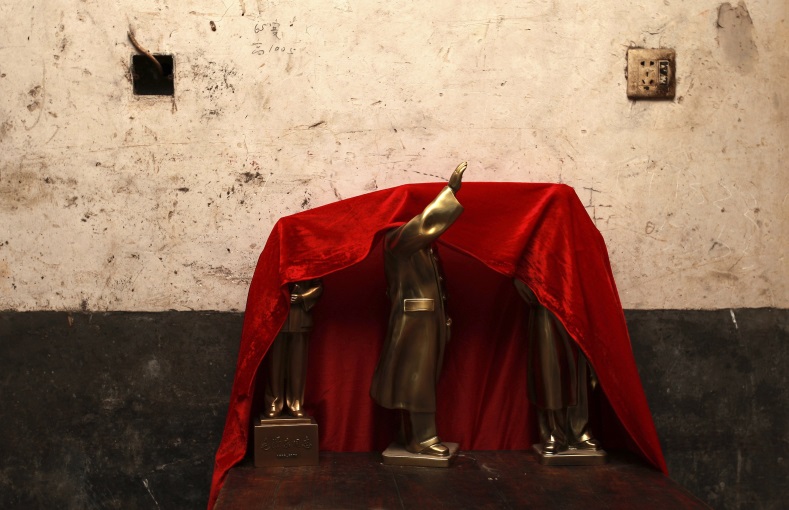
(114,202)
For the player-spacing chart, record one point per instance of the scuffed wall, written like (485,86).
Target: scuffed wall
(110,201)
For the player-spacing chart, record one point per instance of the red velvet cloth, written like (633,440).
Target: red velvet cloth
(539,233)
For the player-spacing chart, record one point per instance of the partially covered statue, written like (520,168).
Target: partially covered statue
(287,357)
(559,380)
(419,326)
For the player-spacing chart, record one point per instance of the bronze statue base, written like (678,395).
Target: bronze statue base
(571,457)
(397,455)
(281,442)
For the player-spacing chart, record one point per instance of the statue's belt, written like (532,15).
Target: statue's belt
(419,305)
(422,305)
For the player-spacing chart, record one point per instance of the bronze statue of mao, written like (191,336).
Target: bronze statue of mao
(286,360)
(559,379)
(419,327)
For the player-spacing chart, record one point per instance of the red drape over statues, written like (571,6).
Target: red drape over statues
(538,233)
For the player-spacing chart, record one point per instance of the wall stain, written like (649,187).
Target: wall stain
(372,185)
(305,204)
(226,274)
(5,127)
(22,187)
(735,36)
(218,76)
(34,93)
(38,93)
(724,275)
(247,177)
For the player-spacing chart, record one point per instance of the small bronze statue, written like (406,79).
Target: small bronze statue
(287,357)
(419,327)
(559,376)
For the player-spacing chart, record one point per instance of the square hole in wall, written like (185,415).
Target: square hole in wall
(146,79)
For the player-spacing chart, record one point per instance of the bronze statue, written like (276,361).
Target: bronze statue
(419,327)
(559,376)
(287,357)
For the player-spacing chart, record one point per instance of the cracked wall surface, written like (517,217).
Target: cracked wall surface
(110,201)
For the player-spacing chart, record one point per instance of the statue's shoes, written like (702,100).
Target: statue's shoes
(296,413)
(430,446)
(272,413)
(587,444)
(553,446)
(436,450)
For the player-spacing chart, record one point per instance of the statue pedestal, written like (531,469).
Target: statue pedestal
(281,442)
(397,455)
(571,457)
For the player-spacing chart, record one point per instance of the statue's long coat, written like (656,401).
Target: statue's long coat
(419,327)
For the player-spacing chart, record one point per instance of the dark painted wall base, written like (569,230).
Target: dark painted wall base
(716,382)
(125,410)
(112,410)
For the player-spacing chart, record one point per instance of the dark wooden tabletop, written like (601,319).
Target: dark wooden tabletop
(476,479)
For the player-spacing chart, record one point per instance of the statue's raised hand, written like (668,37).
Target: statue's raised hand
(457,177)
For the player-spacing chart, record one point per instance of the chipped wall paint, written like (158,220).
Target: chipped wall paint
(114,202)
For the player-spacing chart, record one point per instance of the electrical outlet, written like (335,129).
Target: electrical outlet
(651,73)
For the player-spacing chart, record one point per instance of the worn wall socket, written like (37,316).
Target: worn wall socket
(651,73)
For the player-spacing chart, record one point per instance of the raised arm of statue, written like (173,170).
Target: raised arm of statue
(434,220)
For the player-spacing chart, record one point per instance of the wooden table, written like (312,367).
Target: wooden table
(476,479)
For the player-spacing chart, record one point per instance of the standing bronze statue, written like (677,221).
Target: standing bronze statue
(559,380)
(287,357)
(419,327)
